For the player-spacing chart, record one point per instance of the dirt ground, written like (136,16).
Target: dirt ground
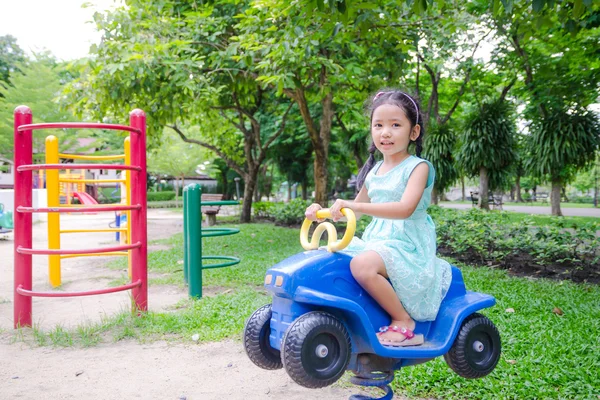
(126,369)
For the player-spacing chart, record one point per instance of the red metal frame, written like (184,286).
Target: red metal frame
(94,209)
(26,250)
(29,293)
(83,125)
(37,167)
(23,251)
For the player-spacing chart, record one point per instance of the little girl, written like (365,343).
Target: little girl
(400,242)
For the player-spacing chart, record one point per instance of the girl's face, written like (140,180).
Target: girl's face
(391,130)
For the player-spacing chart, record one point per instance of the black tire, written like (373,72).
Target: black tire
(316,350)
(477,348)
(256,340)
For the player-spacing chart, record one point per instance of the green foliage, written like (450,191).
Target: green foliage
(291,213)
(563,143)
(438,148)
(263,209)
(570,249)
(488,141)
(160,196)
(12,58)
(37,86)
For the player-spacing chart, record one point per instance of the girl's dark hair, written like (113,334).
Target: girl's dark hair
(412,110)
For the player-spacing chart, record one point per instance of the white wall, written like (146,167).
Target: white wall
(7,178)
(40,199)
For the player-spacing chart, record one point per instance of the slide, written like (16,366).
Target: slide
(85,198)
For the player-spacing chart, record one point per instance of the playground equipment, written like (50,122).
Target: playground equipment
(59,185)
(322,323)
(192,238)
(6,221)
(137,245)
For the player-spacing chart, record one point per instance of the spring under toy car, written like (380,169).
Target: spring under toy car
(321,322)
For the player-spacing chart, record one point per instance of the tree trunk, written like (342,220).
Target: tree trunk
(462,180)
(249,188)
(563,192)
(518,190)
(555,197)
(305,189)
(484,203)
(434,195)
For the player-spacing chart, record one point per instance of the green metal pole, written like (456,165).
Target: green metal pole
(186,238)
(194,223)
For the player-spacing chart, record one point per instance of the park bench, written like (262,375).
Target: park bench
(495,201)
(211,211)
(542,196)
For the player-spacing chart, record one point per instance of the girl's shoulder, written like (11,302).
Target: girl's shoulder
(412,163)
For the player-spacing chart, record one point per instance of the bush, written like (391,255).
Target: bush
(557,249)
(160,196)
(582,200)
(291,213)
(264,209)
(165,204)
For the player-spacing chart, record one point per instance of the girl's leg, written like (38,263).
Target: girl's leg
(369,271)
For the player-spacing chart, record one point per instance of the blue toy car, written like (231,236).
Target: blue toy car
(322,323)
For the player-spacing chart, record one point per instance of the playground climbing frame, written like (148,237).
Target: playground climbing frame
(23,240)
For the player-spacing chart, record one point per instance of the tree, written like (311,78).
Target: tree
(38,86)
(444,43)
(177,158)
(438,148)
(11,57)
(562,48)
(313,55)
(563,143)
(489,146)
(182,64)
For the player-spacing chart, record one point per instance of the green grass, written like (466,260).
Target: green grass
(529,204)
(547,204)
(541,219)
(544,355)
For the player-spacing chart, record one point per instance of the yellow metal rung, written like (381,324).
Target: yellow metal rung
(82,157)
(93,230)
(113,253)
(91,180)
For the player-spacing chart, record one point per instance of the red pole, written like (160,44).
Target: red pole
(139,259)
(22,221)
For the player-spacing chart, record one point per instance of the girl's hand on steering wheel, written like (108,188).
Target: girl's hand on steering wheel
(311,212)
(336,209)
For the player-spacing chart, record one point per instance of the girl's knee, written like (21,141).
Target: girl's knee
(361,271)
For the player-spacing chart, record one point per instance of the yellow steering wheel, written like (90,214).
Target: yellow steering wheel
(333,245)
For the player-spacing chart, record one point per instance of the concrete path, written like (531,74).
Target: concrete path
(567,212)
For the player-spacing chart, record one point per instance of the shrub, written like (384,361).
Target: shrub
(160,196)
(557,248)
(165,204)
(291,213)
(264,209)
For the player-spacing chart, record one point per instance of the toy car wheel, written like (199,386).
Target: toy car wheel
(256,340)
(476,350)
(316,350)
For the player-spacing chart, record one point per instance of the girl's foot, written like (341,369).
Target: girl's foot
(399,333)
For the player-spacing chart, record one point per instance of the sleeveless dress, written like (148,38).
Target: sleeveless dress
(407,246)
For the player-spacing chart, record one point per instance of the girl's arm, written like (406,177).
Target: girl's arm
(395,210)
(361,197)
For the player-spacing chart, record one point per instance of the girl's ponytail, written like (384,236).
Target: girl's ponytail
(362,174)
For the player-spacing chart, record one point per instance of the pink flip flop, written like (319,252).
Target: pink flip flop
(410,339)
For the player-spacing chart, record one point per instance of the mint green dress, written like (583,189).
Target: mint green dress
(407,246)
